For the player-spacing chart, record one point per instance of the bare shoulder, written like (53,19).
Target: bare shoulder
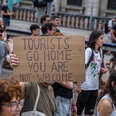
(105,107)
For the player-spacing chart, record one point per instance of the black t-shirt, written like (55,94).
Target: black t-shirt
(6,10)
(59,90)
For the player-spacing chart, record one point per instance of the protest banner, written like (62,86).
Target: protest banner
(50,58)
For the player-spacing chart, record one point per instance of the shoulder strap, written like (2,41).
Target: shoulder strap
(101,52)
(101,55)
(37,99)
(90,59)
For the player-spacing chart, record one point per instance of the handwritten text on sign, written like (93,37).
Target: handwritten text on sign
(48,58)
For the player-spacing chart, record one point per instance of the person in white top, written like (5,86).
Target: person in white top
(107,97)
(93,60)
(112,22)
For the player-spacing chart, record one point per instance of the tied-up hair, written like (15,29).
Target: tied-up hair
(93,38)
(109,88)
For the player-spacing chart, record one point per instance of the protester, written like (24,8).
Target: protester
(63,94)
(93,60)
(112,22)
(46,102)
(6,14)
(3,52)
(4,40)
(11,97)
(3,28)
(56,21)
(108,26)
(107,97)
(48,29)
(113,39)
(44,20)
(4,34)
(35,30)
(113,34)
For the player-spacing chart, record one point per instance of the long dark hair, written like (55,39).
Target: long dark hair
(92,39)
(109,89)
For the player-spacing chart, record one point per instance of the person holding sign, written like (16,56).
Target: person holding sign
(107,97)
(93,61)
(46,103)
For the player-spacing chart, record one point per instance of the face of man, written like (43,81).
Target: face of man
(47,20)
(36,32)
(57,21)
(52,32)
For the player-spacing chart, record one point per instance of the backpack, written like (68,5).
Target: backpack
(91,58)
(40,3)
(106,27)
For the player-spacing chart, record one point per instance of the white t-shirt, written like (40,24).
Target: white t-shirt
(92,71)
(110,23)
(41,33)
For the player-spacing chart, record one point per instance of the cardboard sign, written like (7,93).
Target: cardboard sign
(50,58)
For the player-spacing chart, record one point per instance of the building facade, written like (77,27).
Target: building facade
(83,7)
(87,7)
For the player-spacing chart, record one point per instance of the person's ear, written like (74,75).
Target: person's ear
(112,83)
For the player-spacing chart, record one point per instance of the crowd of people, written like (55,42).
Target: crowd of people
(55,98)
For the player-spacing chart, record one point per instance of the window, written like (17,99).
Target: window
(74,2)
(112,4)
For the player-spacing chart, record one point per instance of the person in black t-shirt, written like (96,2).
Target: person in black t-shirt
(63,95)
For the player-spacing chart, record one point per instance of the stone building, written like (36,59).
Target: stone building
(82,7)
(85,7)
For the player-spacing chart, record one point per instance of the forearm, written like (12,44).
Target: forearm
(5,14)
(68,84)
(113,36)
(22,86)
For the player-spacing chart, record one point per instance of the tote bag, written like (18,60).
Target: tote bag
(34,112)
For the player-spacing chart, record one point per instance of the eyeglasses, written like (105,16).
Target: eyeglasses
(14,105)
